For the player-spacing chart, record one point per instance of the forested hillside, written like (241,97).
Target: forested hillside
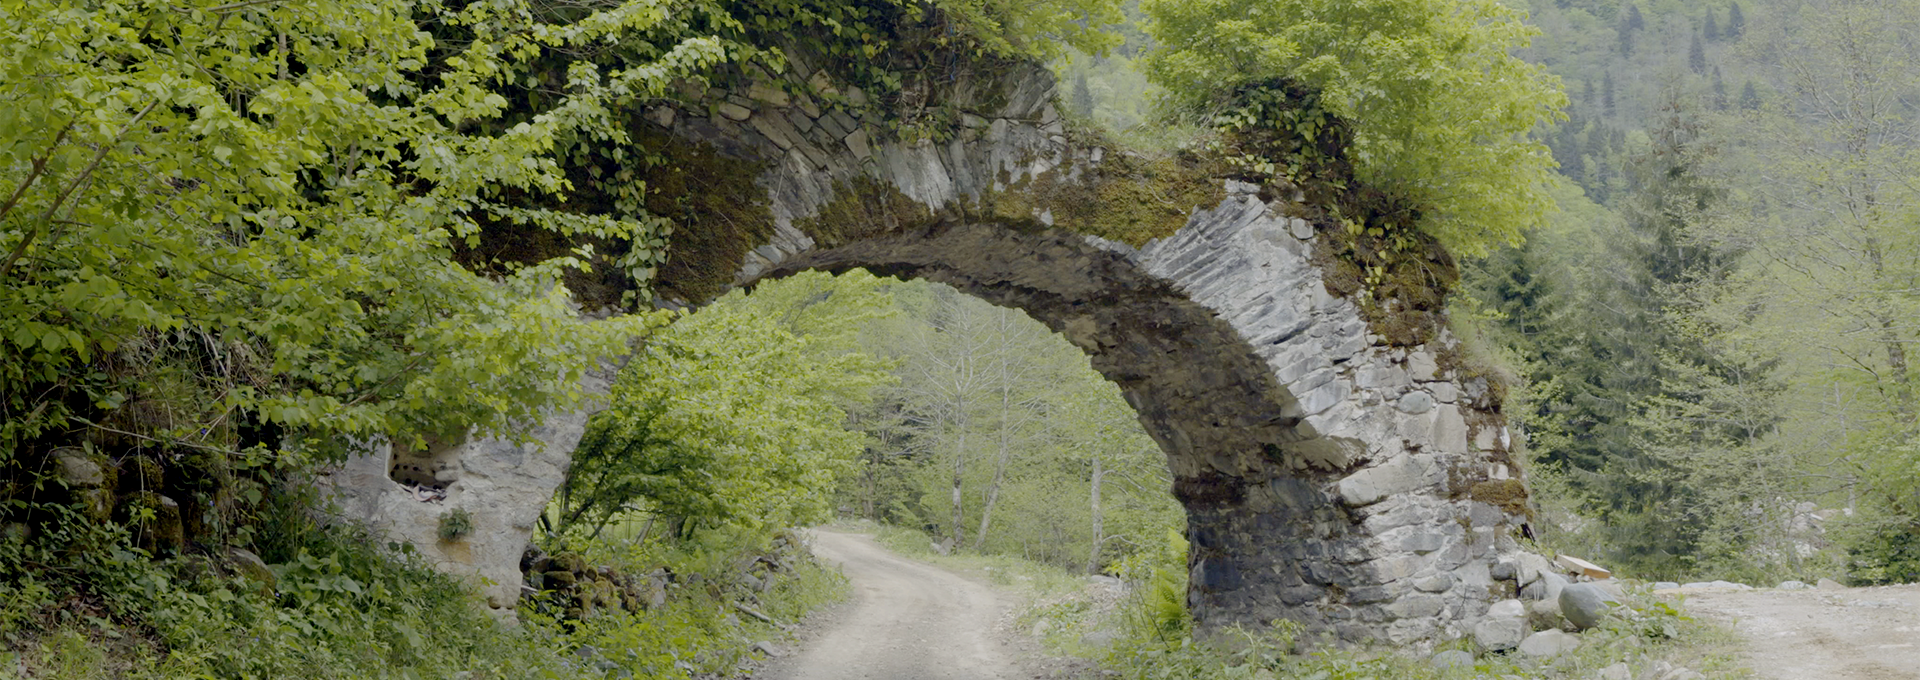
(1715,331)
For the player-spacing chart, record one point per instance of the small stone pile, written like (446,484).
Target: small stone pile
(566,585)
(1551,602)
(1549,606)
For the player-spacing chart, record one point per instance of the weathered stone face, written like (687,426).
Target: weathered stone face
(502,485)
(1328,478)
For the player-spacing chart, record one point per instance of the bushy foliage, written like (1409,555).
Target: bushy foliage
(1043,29)
(80,602)
(1438,106)
(725,417)
(297,208)
(340,607)
(697,632)
(1156,607)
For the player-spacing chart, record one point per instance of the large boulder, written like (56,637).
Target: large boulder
(1585,604)
(1544,614)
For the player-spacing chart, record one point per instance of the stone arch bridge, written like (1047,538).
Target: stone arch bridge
(1330,477)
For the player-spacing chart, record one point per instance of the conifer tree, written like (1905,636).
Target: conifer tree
(1599,349)
(1736,24)
(1712,28)
(1082,97)
(1697,55)
(1606,94)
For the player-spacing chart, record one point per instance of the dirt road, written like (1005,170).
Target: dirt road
(908,620)
(1847,634)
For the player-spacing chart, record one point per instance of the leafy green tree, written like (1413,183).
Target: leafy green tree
(723,418)
(1036,28)
(1826,182)
(294,211)
(1439,108)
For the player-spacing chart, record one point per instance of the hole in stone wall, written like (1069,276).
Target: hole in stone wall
(435,465)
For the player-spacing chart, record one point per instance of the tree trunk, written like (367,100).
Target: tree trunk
(1000,462)
(993,496)
(1093,554)
(1903,393)
(1002,317)
(959,473)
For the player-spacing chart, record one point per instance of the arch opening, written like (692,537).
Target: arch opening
(1269,401)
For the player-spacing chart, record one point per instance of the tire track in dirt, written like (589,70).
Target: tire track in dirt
(907,620)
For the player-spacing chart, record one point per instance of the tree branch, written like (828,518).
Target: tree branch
(101,155)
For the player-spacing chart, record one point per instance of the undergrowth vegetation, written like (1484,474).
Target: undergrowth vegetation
(84,603)
(335,605)
(1135,624)
(707,626)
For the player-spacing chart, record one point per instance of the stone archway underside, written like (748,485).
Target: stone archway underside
(1359,489)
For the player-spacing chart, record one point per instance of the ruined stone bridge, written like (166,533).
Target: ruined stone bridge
(1358,485)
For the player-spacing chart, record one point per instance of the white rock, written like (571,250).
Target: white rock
(1300,228)
(1531,567)
(1452,658)
(1422,366)
(1498,634)
(1415,402)
(1548,643)
(1585,604)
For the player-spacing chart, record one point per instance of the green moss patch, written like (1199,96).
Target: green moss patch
(1129,197)
(1507,494)
(718,213)
(863,208)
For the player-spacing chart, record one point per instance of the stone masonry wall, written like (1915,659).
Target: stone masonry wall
(1359,489)
(1328,478)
